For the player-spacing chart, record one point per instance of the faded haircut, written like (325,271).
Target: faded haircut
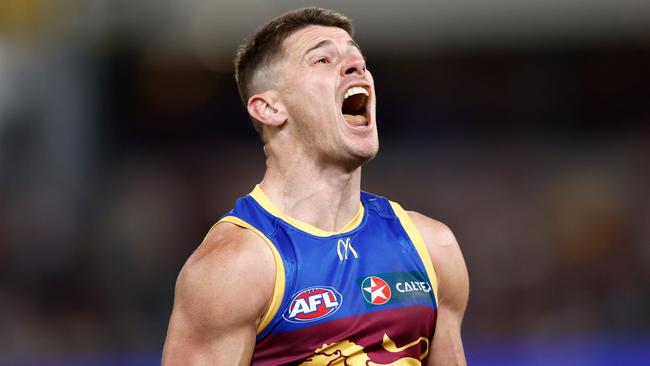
(265,47)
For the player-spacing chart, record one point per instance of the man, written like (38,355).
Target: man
(307,269)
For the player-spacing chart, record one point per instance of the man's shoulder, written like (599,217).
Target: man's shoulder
(224,242)
(432,230)
(228,258)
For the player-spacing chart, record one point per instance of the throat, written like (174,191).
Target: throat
(319,203)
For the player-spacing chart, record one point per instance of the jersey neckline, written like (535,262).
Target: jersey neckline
(258,195)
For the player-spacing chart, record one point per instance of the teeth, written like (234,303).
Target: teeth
(354,91)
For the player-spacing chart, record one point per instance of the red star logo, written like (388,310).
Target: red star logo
(375,290)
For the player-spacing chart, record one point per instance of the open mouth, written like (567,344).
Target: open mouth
(354,106)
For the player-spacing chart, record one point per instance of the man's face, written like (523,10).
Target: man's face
(329,95)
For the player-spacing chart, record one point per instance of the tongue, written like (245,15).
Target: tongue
(356,120)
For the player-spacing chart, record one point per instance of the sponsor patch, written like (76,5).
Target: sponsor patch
(394,287)
(313,303)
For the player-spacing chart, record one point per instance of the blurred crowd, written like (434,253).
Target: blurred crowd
(116,158)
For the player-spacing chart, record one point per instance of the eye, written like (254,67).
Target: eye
(322,60)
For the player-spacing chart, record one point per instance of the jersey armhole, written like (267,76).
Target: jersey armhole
(278,289)
(419,244)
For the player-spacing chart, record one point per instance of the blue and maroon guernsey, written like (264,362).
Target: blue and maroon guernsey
(365,295)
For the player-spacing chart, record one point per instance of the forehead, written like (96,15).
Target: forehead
(305,38)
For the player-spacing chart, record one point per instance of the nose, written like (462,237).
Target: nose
(354,64)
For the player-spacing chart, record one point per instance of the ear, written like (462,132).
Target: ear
(266,108)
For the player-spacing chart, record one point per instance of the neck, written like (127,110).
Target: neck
(324,197)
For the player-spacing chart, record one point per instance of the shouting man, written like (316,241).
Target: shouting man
(307,269)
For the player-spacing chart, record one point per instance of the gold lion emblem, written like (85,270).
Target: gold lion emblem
(351,354)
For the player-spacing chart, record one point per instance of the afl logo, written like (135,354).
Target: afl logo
(375,290)
(312,304)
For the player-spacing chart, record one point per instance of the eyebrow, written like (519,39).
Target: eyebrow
(328,42)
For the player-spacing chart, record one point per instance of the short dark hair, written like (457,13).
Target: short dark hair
(266,44)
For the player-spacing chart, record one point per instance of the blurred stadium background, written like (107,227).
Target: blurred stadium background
(523,125)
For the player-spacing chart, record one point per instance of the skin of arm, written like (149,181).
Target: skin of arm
(453,290)
(222,293)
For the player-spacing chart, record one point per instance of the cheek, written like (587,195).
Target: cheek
(300,85)
(309,93)
(370,78)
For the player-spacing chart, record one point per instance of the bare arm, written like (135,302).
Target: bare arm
(453,290)
(221,295)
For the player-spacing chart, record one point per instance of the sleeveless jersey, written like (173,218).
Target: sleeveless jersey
(365,295)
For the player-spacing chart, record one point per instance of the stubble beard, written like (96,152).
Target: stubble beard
(333,148)
(351,158)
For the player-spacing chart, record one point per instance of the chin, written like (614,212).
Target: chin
(361,155)
(370,153)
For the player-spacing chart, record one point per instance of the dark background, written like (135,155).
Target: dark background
(522,127)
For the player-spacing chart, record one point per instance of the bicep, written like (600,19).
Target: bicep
(447,345)
(214,320)
(191,343)
(453,290)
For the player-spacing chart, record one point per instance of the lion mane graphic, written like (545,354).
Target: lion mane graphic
(351,354)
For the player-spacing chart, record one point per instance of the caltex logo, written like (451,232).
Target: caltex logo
(312,304)
(375,290)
